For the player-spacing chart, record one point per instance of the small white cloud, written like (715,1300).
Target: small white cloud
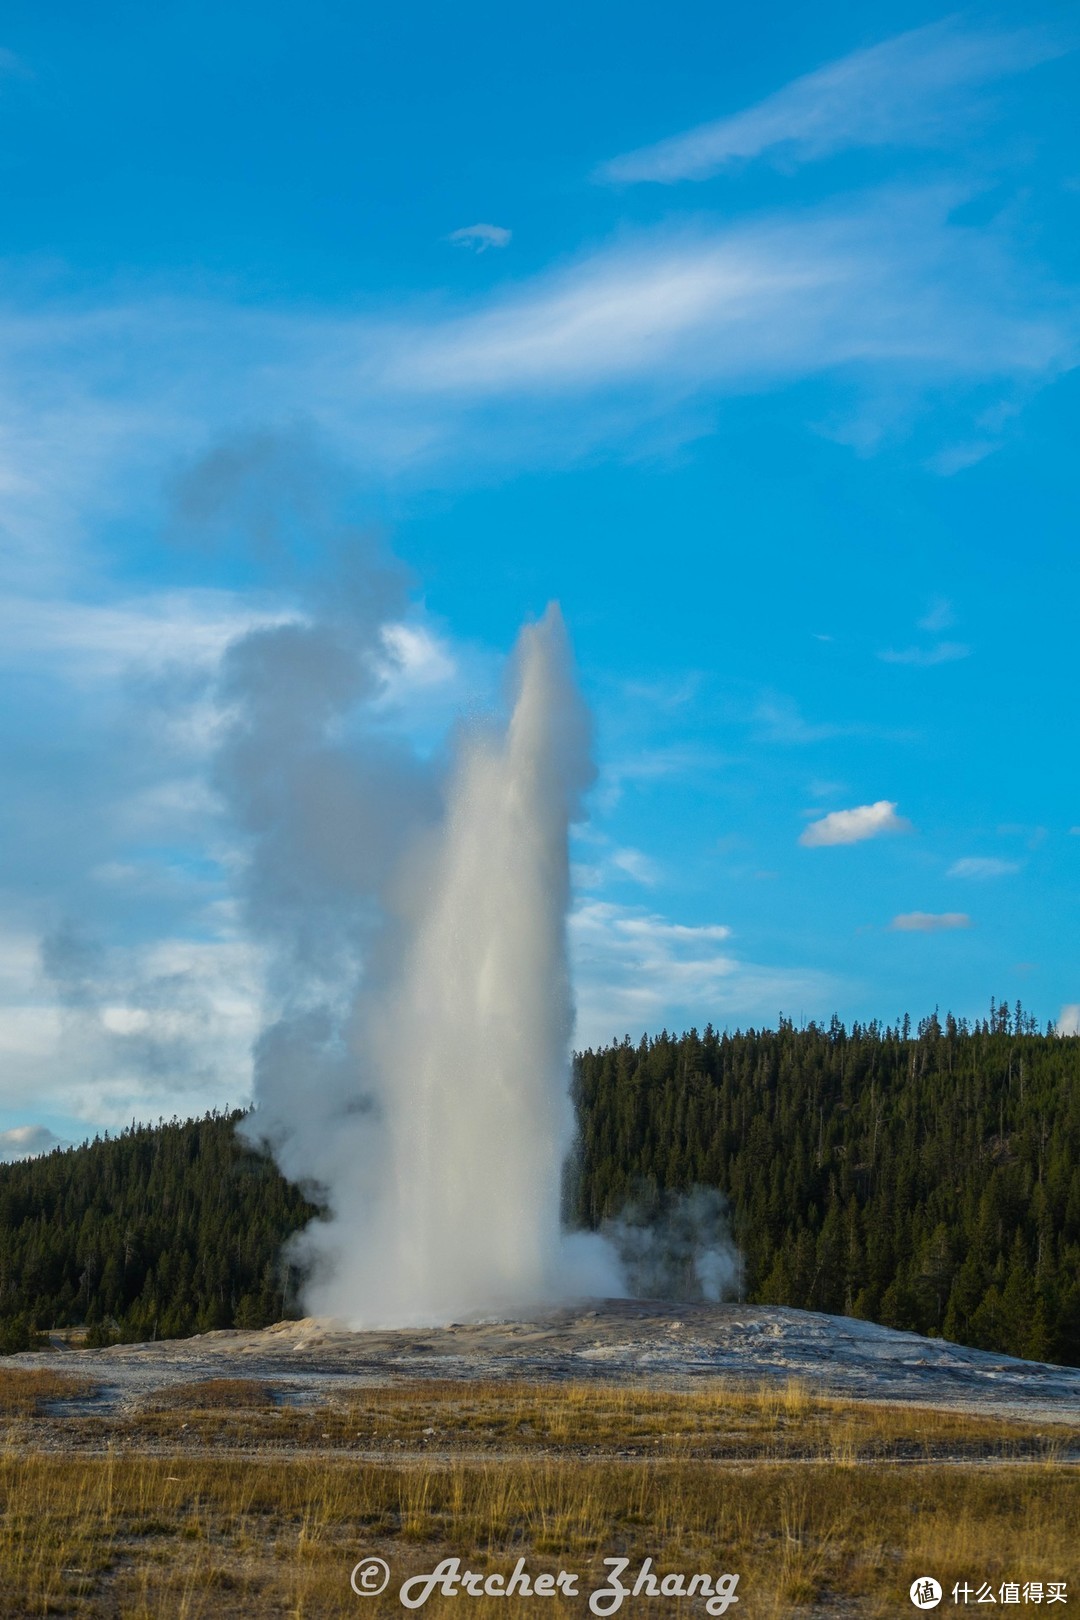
(982,866)
(481,237)
(1069,1019)
(853,826)
(944,652)
(929,922)
(27,1141)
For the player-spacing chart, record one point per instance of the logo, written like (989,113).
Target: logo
(370,1577)
(925,1592)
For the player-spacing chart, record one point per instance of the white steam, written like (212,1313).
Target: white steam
(676,1247)
(424,1090)
(457,1211)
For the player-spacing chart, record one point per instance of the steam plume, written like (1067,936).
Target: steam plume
(431,1109)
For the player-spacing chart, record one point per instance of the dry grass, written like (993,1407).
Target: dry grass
(215,1395)
(562,1475)
(25,1391)
(716,1421)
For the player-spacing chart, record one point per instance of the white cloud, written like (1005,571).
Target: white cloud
(633,339)
(1069,1019)
(982,866)
(633,863)
(27,1141)
(929,922)
(634,970)
(481,237)
(853,826)
(910,90)
(129,1030)
(943,652)
(876,283)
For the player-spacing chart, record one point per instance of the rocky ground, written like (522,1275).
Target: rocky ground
(618,1340)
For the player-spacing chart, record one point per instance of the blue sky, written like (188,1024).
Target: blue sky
(748,334)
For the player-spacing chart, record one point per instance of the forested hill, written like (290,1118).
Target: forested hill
(155,1233)
(926,1179)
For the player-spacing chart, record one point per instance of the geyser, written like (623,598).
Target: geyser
(436,1118)
(471,1040)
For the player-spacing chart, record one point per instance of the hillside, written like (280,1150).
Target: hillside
(158,1232)
(926,1179)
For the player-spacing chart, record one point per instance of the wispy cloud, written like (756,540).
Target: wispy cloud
(982,866)
(939,615)
(929,922)
(779,719)
(655,764)
(911,90)
(636,865)
(955,458)
(633,967)
(883,281)
(854,826)
(104,639)
(626,337)
(481,237)
(942,652)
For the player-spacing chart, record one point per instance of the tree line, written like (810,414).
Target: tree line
(925,1178)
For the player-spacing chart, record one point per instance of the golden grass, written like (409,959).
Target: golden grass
(137,1535)
(215,1395)
(714,1420)
(26,1390)
(801,1505)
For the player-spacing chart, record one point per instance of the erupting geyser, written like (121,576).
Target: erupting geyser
(442,1162)
(472,1045)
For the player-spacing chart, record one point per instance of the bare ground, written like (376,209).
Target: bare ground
(624,1341)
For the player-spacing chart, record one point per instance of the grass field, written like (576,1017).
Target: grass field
(222,1499)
